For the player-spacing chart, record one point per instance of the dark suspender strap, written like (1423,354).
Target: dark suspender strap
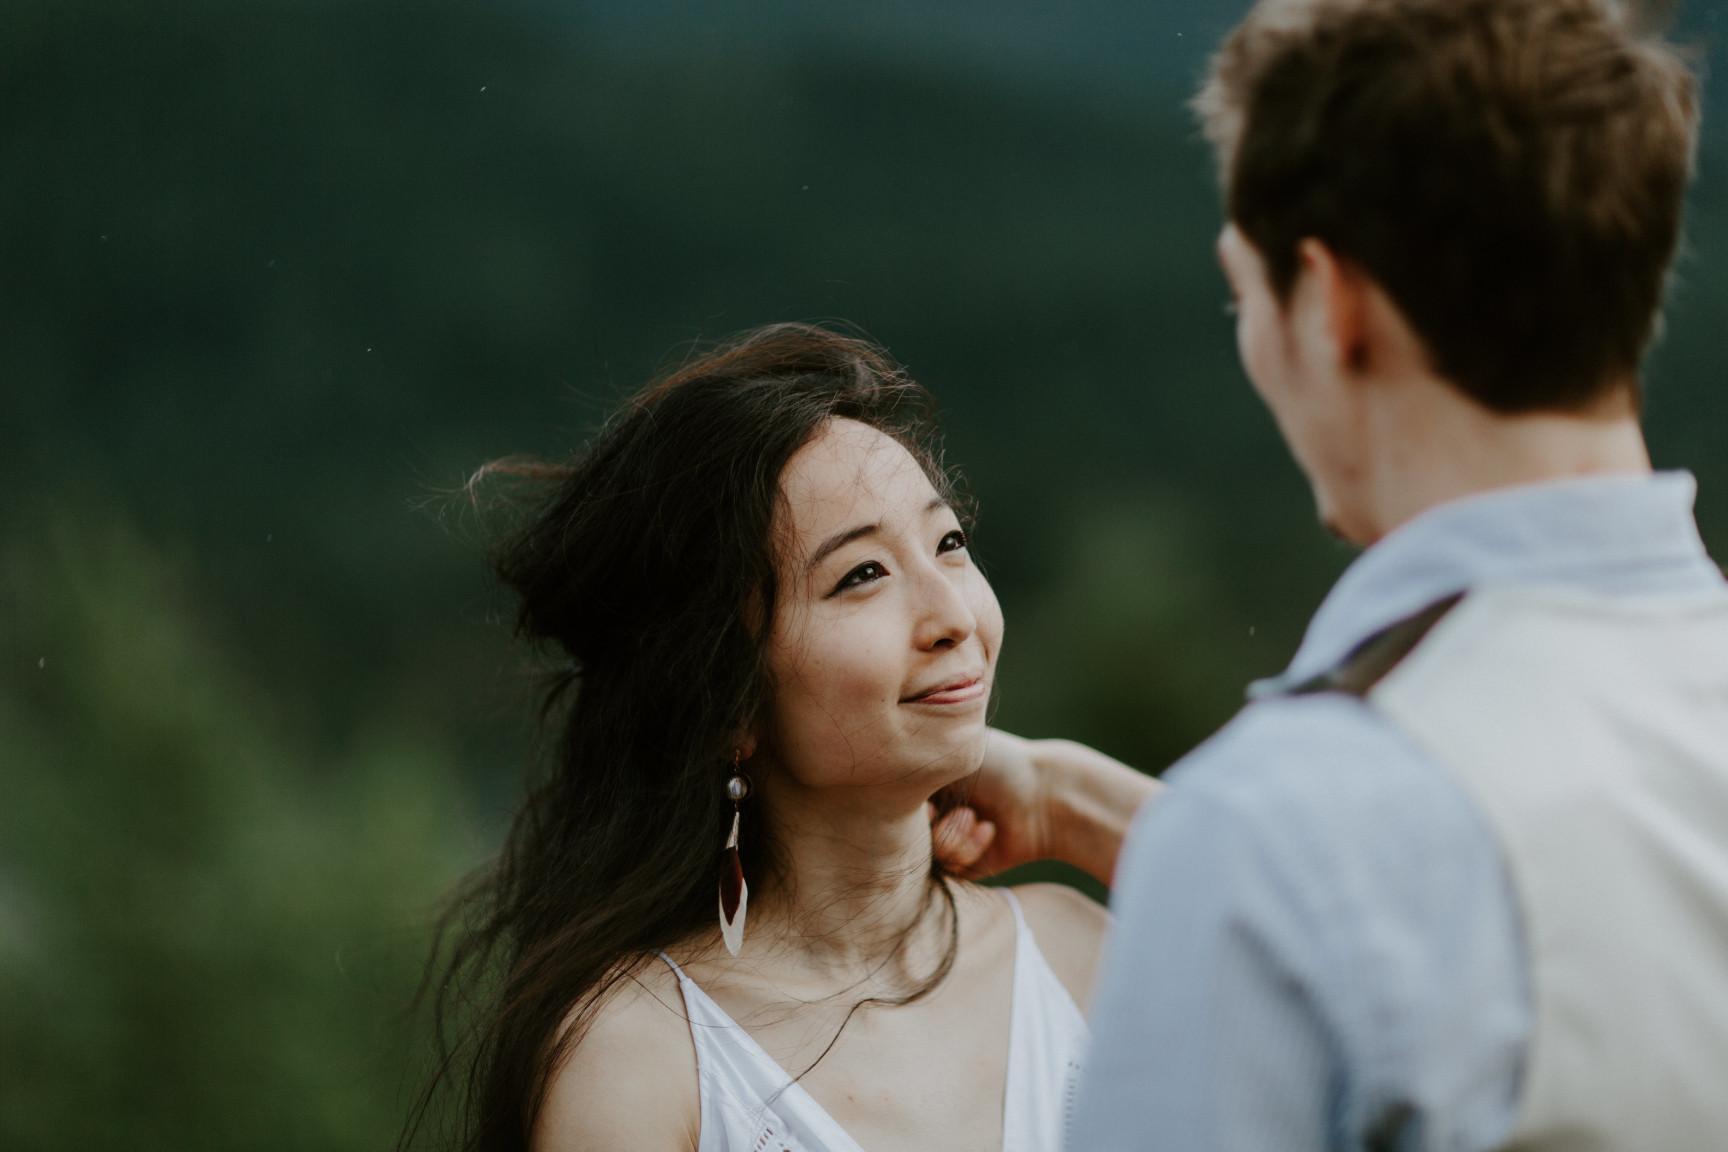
(1370,661)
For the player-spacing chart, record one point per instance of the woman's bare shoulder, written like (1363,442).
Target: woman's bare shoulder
(630,1082)
(1069,927)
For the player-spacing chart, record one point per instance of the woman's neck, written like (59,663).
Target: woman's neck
(854,886)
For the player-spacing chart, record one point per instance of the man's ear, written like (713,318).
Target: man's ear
(1339,291)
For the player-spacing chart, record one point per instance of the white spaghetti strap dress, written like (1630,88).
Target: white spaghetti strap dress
(750,1104)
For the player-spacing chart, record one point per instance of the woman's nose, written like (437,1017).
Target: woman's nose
(945,618)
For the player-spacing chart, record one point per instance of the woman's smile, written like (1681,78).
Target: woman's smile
(962,689)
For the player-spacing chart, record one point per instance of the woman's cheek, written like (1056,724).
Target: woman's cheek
(837,706)
(862,679)
(988,613)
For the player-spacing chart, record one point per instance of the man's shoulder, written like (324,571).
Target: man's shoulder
(1313,750)
(1334,892)
(1323,782)
(1313,826)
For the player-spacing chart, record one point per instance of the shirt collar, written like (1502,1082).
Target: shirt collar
(1612,534)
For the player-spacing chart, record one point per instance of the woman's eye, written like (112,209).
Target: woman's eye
(953,542)
(863,574)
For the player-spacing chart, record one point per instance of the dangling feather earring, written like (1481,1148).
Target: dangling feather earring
(734,893)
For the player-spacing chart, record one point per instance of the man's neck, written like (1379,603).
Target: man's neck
(1429,446)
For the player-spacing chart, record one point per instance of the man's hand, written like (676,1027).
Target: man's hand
(1039,800)
(1001,816)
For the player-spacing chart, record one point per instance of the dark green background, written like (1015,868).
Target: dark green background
(276,275)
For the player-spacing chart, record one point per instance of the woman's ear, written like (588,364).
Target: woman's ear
(747,746)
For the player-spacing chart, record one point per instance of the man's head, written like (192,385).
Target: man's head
(1505,176)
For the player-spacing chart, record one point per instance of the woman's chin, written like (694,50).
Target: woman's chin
(938,763)
(928,758)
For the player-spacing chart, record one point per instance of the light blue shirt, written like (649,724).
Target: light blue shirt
(1317,945)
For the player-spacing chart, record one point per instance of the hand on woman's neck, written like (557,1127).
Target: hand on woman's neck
(854,881)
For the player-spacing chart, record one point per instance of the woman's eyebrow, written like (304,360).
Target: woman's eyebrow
(840,539)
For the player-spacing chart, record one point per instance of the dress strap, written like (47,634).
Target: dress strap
(674,965)
(1047,1038)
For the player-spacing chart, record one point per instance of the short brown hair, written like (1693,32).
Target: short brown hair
(1511,172)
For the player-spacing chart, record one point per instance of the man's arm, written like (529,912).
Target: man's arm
(1041,800)
(1206,1035)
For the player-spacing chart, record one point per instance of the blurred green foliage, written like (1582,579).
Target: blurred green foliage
(204,937)
(276,274)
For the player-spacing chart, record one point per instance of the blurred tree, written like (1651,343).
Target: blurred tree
(205,941)
(1131,651)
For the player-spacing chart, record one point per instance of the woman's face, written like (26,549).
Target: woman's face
(885,636)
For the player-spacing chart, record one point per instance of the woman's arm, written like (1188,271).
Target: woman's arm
(1042,800)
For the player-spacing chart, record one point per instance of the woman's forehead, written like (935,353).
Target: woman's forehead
(851,474)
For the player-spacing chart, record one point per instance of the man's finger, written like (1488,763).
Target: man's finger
(962,839)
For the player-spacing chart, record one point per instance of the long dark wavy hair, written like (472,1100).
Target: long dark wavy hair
(644,568)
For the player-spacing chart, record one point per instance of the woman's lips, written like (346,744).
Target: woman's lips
(960,691)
